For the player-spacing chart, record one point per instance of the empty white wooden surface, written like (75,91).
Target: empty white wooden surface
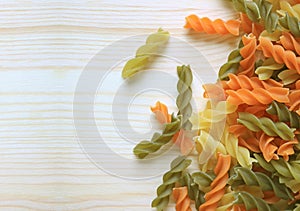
(44,47)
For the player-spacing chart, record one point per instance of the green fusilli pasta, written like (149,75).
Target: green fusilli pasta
(288,76)
(290,23)
(232,65)
(285,170)
(145,52)
(252,202)
(144,148)
(284,114)
(246,176)
(266,125)
(185,95)
(266,70)
(248,7)
(193,190)
(178,166)
(258,10)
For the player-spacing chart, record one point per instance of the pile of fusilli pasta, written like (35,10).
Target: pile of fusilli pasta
(254,162)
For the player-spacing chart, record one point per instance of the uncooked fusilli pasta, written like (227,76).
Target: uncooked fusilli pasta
(267,125)
(208,26)
(145,52)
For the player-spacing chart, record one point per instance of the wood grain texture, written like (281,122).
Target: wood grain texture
(44,47)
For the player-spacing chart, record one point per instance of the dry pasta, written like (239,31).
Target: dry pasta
(208,26)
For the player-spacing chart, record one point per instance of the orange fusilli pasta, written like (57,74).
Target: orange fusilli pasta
(258,96)
(161,112)
(218,185)
(294,98)
(248,53)
(242,81)
(289,42)
(208,26)
(182,199)
(267,147)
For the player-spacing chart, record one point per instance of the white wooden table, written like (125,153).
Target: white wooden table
(44,47)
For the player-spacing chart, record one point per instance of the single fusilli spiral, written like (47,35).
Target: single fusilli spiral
(266,125)
(169,179)
(258,96)
(232,64)
(252,202)
(284,114)
(185,79)
(208,26)
(280,55)
(258,10)
(145,52)
(266,70)
(247,64)
(144,148)
(290,23)
(288,76)
(236,82)
(285,170)
(245,176)
(182,199)
(218,184)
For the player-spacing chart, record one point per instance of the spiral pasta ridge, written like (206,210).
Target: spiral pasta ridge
(247,64)
(218,185)
(285,170)
(284,114)
(258,96)
(164,191)
(252,202)
(145,52)
(231,66)
(280,55)
(266,125)
(185,79)
(267,147)
(208,26)
(266,70)
(288,76)
(286,148)
(182,199)
(236,82)
(144,148)
(248,177)
(289,42)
